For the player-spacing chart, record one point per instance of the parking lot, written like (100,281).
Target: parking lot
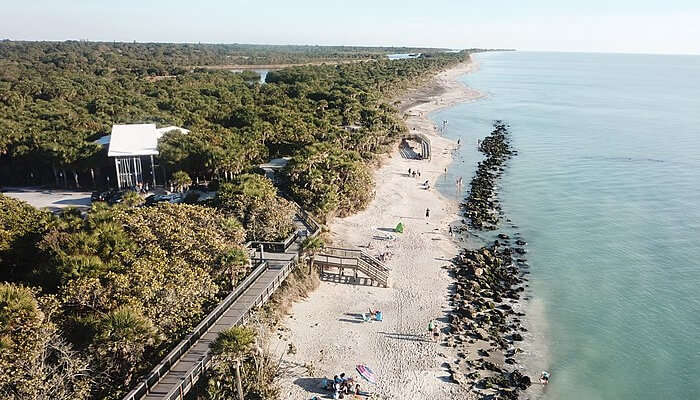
(52,200)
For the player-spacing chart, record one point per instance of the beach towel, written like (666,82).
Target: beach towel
(366,373)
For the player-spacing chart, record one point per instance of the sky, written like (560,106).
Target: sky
(626,26)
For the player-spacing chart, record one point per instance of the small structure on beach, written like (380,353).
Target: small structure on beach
(134,146)
(424,146)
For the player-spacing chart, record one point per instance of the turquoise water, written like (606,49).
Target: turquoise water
(606,190)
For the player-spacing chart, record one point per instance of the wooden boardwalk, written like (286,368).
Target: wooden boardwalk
(170,385)
(181,369)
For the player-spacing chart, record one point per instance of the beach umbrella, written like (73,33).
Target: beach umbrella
(366,373)
(399,228)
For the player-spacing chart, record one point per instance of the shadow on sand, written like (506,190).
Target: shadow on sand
(312,385)
(405,336)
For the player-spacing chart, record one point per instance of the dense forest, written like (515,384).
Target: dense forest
(90,301)
(56,99)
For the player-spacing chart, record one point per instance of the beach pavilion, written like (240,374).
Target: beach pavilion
(134,148)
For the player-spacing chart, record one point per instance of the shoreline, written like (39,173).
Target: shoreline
(324,329)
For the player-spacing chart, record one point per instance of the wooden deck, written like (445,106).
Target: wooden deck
(366,269)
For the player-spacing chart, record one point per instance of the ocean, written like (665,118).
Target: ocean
(606,190)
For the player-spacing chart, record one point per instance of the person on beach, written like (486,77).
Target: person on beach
(431,329)
(409,172)
(427,213)
(419,173)
(544,378)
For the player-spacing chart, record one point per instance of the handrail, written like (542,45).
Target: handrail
(189,378)
(364,262)
(173,357)
(164,366)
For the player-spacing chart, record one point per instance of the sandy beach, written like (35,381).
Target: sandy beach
(326,329)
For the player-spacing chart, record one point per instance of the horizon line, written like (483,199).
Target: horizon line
(494,49)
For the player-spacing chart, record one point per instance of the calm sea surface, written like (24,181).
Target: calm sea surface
(606,190)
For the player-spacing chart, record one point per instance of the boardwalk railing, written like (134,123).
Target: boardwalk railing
(276,247)
(354,259)
(195,372)
(313,229)
(164,366)
(261,265)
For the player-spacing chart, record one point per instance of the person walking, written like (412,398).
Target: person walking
(427,213)
(432,330)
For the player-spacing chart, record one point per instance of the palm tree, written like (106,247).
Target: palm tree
(231,346)
(122,338)
(311,246)
(181,180)
(233,261)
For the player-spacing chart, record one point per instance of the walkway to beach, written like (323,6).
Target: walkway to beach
(178,381)
(176,374)
(179,371)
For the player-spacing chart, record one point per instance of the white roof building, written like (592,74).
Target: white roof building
(129,144)
(136,139)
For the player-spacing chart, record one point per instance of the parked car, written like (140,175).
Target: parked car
(116,197)
(103,196)
(163,198)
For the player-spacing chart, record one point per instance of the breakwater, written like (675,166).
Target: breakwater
(489,283)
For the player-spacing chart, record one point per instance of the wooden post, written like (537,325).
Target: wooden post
(238,380)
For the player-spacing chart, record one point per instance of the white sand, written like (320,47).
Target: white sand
(326,329)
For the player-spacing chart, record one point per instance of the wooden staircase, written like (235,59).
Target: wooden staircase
(356,260)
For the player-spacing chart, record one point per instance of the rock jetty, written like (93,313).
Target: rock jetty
(489,283)
(481,207)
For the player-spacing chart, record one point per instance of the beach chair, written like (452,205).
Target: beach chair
(365,317)
(378,316)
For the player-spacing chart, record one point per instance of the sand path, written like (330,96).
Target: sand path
(326,329)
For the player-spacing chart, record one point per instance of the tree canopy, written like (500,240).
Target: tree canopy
(253,200)
(58,98)
(91,301)
(126,282)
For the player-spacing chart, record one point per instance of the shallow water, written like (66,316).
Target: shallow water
(606,190)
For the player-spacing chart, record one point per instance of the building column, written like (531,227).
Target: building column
(136,172)
(116,165)
(153,172)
